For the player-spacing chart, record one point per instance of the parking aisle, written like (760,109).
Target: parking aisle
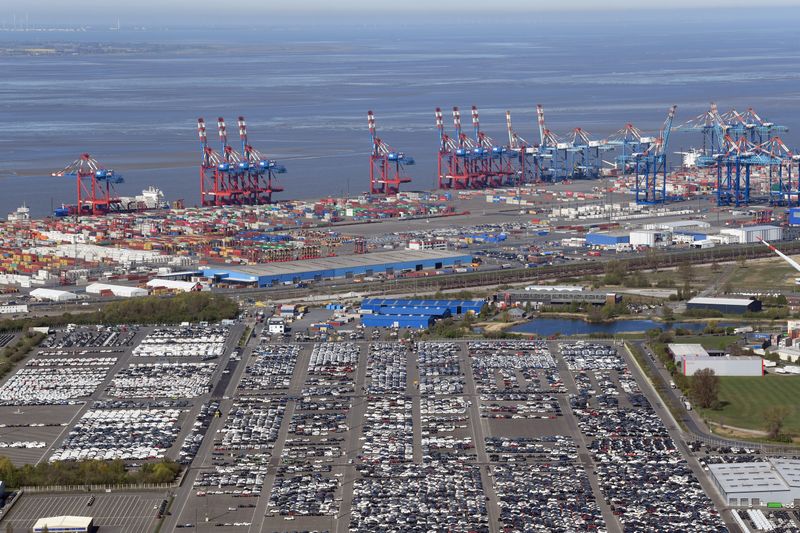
(355,423)
(480,429)
(679,438)
(295,388)
(612,523)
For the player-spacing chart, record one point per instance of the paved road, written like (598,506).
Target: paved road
(679,437)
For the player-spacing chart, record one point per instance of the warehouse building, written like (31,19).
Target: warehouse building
(610,240)
(679,351)
(724,365)
(545,295)
(725,305)
(53,295)
(751,234)
(693,357)
(759,483)
(678,225)
(454,307)
(174,285)
(398,321)
(651,238)
(416,314)
(123,291)
(64,524)
(270,274)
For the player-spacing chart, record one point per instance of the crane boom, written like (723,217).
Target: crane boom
(783,256)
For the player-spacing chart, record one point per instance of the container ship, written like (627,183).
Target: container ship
(151,198)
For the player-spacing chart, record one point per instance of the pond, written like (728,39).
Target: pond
(565,326)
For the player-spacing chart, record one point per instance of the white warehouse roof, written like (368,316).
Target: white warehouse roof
(64,523)
(54,295)
(185,286)
(554,288)
(702,300)
(688,350)
(125,291)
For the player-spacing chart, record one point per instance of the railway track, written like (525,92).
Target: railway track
(646,261)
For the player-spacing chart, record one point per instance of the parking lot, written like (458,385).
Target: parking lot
(350,436)
(113,513)
(480,436)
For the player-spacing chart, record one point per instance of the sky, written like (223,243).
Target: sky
(161,12)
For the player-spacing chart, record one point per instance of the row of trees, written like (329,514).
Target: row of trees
(90,472)
(12,354)
(186,307)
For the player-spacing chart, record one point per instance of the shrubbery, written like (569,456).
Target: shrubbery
(91,472)
(186,307)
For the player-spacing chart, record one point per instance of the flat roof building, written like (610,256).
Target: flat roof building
(755,484)
(64,524)
(53,295)
(123,291)
(724,305)
(174,285)
(556,295)
(678,351)
(269,274)
(723,366)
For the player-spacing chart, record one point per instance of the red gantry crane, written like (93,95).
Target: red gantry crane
(94,186)
(231,178)
(386,165)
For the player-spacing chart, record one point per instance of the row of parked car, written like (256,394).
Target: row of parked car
(206,342)
(643,476)
(541,485)
(127,434)
(162,380)
(55,381)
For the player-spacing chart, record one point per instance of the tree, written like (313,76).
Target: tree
(705,388)
(775,417)
(667,313)
(686,273)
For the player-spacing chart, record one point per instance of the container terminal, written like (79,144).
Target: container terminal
(324,393)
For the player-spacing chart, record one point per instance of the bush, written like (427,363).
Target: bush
(90,472)
(186,307)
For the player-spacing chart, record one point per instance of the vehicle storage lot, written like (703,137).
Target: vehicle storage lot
(482,436)
(444,436)
(113,513)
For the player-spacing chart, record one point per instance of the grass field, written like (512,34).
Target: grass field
(709,342)
(773,273)
(747,398)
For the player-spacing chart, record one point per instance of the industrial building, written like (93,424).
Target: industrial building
(454,307)
(416,314)
(549,295)
(651,238)
(679,351)
(276,325)
(725,305)
(693,357)
(123,291)
(606,239)
(678,225)
(270,274)
(724,365)
(53,295)
(759,483)
(751,234)
(174,285)
(64,524)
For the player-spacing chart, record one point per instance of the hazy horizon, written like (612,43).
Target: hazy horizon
(249,12)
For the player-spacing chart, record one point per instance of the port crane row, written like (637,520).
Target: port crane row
(734,147)
(734,144)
